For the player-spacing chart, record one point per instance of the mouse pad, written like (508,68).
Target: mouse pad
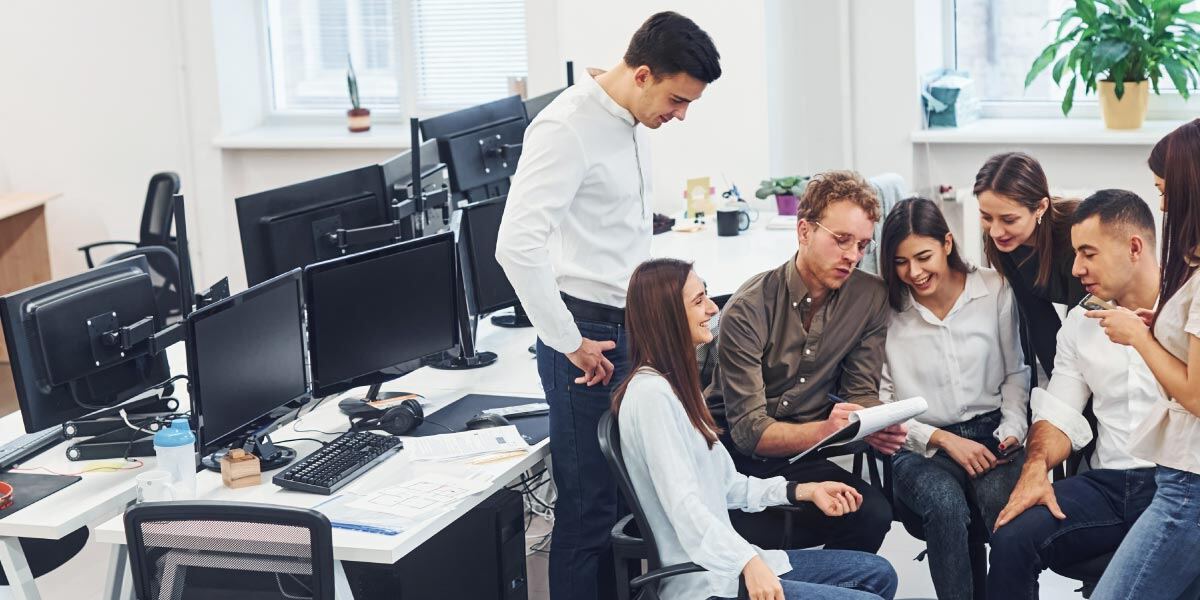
(31,487)
(455,415)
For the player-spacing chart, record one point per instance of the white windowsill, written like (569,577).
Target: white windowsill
(391,136)
(1082,132)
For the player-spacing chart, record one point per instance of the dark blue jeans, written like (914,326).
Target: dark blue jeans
(1101,506)
(837,575)
(950,507)
(581,563)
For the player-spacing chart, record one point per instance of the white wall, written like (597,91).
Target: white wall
(91,108)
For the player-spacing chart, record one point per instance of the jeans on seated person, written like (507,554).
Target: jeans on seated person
(1158,558)
(1101,506)
(837,575)
(949,505)
(581,562)
(861,530)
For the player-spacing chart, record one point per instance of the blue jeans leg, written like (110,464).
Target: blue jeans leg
(838,575)
(580,552)
(1158,559)
(1100,506)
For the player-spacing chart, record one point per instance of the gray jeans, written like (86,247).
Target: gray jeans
(950,507)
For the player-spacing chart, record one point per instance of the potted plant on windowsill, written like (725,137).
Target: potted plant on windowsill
(1128,45)
(787,192)
(359,117)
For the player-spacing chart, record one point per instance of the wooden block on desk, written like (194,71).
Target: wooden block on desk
(240,469)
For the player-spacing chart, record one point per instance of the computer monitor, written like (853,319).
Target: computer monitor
(82,343)
(380,314)
(486,286)
(435,204)
(246,369)
(480,145)
(297,225)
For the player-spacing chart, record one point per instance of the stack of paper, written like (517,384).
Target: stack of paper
(420,496)
(467,444)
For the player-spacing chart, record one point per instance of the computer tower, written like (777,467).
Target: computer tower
(480,556)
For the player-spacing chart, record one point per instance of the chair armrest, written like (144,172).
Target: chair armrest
(87,249)
(665,572)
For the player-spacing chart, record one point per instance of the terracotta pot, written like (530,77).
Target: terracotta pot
(360,119)
(1130,111)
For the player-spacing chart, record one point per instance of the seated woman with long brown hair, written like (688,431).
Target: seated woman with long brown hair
(685,480)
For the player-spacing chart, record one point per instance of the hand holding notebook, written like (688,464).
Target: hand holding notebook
(867,421)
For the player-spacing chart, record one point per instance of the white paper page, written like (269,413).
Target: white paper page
(866,421)
(466,444)
(420,496)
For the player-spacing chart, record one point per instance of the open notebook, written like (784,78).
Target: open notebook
(867,421)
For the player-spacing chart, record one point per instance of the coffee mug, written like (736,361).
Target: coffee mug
(155,486)
(731,220)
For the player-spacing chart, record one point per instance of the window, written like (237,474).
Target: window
(410,56)
(996,41)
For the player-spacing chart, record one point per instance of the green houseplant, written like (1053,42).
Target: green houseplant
(1124,44)
(359,117)
(787,191)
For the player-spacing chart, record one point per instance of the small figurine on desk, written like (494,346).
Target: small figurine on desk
(240,469)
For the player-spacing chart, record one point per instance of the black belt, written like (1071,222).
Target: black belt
(593,311)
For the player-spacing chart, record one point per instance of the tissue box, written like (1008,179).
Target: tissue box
(950,101)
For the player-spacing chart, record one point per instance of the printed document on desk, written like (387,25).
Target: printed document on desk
(867,421)
(420,496)
(466,444)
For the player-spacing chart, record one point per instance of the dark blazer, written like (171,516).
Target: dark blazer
(1039,320)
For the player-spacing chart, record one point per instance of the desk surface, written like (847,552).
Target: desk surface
(19,202)
(725,262)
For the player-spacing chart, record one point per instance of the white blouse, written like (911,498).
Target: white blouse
(1170,436)
(967,364)
(686,490)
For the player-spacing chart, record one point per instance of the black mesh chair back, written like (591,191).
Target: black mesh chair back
(157,213)
(229,550)
(164,277)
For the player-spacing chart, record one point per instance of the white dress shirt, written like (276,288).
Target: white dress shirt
(578,216)
(1122,388)
(967,364)
(1170,435)
(686,490)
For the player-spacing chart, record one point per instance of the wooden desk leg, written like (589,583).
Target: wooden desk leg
(341,585)
(20,578)
(118,583)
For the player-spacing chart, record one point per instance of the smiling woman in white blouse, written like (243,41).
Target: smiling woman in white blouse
(954,340)
(685,480)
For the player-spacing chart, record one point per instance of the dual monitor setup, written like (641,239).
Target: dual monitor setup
(355,279)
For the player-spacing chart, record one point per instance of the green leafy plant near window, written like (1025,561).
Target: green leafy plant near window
(1123,41)
(352,83)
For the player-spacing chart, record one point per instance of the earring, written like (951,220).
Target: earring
(1039,221)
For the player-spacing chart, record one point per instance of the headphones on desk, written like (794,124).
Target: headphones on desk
(396,420)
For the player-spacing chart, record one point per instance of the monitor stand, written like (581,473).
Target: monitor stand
(270,456)
(519,318)
(469,357)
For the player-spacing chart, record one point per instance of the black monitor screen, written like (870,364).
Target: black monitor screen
(246,358)
(489,286)
(377,310)
(480,145)
(63,367)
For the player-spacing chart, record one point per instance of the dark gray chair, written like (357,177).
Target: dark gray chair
(227,549)
(157,215)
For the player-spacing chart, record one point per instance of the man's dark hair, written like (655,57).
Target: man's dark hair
(670,43)
(1117,207)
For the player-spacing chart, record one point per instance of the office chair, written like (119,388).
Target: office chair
(213,548)
(44,556)
(632,541)
(156,218)
(165,278)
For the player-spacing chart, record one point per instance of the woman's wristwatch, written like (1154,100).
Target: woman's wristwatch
(791,493)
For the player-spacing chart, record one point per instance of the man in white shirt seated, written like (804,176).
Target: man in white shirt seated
(1087,515)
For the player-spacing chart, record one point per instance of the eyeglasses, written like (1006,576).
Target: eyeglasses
(846,242)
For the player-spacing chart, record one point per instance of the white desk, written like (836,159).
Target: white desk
(725,262)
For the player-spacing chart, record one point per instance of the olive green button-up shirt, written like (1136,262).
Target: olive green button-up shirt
(771,368)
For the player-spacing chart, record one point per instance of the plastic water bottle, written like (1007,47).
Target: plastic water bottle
(175,448)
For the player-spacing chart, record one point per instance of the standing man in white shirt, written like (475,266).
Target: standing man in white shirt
(576,224)
(1046,525)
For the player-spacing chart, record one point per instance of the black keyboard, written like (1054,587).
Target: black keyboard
(29,445)
(338,463)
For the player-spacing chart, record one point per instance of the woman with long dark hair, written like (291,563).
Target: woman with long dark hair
(954,340)
(1158,558)
(684,478)
(1028,241)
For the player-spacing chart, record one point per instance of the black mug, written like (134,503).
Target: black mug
(732,221)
